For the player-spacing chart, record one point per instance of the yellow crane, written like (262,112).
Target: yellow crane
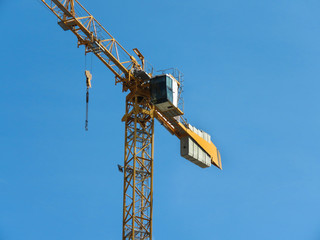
(149,96)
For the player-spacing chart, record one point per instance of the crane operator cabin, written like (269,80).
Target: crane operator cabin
(164,94)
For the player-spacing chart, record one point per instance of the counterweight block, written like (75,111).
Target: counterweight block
(191,151)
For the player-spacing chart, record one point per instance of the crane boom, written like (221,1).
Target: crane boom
(96,39)
(139,116)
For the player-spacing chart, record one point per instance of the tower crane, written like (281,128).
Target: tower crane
(149,97)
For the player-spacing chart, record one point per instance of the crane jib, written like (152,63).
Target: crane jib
(96,39)
(62,8)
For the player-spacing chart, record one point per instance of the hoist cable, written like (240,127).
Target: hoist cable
(87,109)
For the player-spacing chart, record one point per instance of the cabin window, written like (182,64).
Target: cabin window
(164,89)
(158,90)
(169,89)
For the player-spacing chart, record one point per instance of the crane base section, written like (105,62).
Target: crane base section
(191,151)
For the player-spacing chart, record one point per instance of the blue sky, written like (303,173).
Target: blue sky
(251,80)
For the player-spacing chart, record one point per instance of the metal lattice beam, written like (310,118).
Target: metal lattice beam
(138,169)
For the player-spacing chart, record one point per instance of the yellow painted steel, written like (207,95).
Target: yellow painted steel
(96,39)
(138,168)
(208,147)
(139,116)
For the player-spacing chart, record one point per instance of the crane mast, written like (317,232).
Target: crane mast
(138,168)
(138,118)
